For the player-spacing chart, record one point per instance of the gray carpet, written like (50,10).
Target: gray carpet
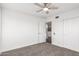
(42,49)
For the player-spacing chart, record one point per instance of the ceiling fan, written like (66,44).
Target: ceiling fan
(46,7)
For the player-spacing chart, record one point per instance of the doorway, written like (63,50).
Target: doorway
(48,32)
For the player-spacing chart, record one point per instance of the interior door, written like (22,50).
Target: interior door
(58,31)
(41,32)
(48,32)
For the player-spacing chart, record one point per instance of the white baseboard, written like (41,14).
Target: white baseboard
(20,47)
(65,47)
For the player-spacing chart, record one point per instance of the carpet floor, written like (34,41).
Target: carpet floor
(41,49)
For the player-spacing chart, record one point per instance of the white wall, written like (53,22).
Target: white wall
(0,30)
(71,34)
(20,29)
(67,31)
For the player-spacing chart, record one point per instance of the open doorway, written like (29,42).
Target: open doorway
(48,32)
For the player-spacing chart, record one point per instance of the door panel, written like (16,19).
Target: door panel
(42,32)
(58,33)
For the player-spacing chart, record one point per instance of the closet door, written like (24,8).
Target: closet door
(57,32)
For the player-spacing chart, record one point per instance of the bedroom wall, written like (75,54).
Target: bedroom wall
(21,29)
(67,30)
(0,30)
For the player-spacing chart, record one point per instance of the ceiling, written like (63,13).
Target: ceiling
(30,8)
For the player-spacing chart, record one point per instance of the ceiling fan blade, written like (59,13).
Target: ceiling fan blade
(48,5)
(39,10)
(53,8)
(38,5)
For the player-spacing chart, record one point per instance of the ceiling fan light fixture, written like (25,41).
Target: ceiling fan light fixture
(45,9)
